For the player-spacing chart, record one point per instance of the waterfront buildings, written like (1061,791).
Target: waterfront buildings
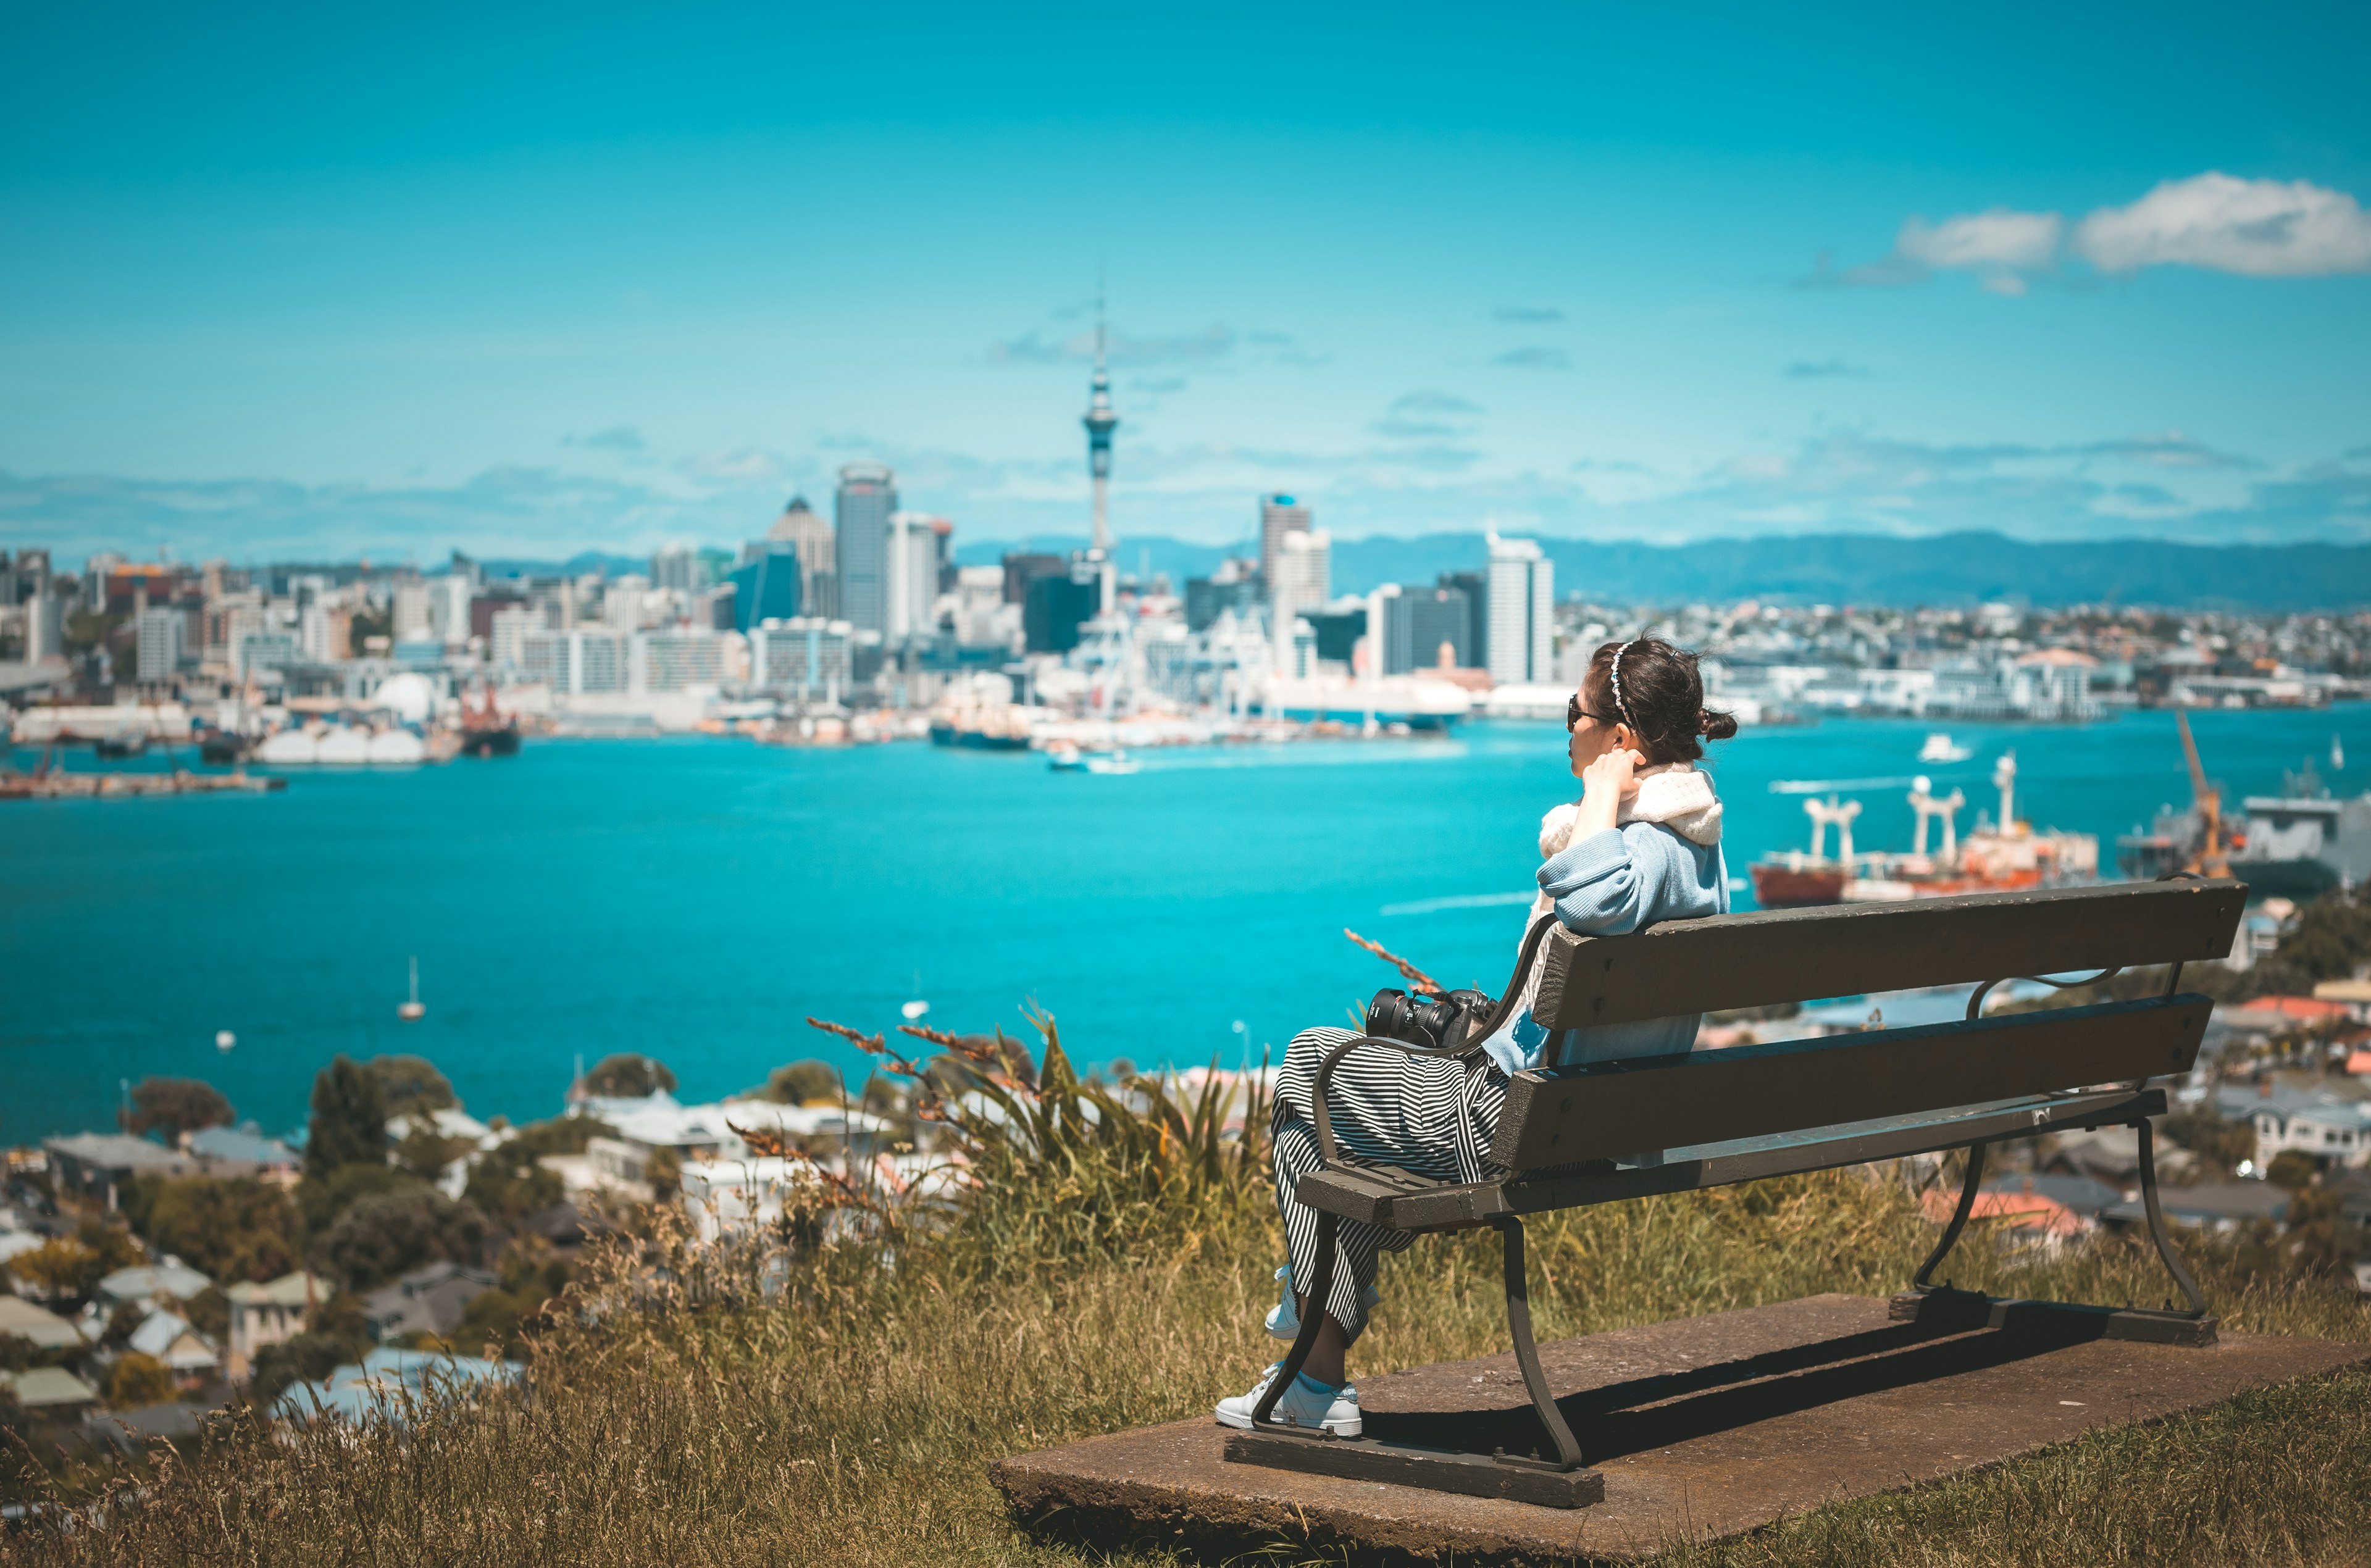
(1521,612)
(1427,628)
(867,499)
(811,538)
(163,640)
(1279,515)
(918,545)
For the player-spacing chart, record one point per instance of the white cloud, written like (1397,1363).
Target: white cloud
(2263,228)
(1997,238)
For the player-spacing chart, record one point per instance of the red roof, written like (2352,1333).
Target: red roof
(2299,1007)
(2360,1062)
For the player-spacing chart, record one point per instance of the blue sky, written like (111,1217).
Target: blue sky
(525,280)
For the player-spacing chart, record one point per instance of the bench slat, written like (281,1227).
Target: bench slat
(1606,1109)
(1799,955)
(1455,1206)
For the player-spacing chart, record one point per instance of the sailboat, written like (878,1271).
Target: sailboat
(2337,756)
(411,1011)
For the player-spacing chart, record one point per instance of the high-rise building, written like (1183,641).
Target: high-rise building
(412,612)
(768,585)
(1523,612)
(1419,622)
(506,639)
(1101,422)
(917,546)
(1476,586)
(1236,585)
(1305,573)
(622,602)
(866,500)
(811,537)
(164,636)
(1056,605)
(809,658)
(448,606)
(676,569)
(1279,515)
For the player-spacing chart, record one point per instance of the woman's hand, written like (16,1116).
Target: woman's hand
(1607,781)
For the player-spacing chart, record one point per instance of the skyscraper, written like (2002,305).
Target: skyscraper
(675,568)
(1304,570)
(1279,515)
(916,549)
(867,499)
(1523,612)
(811,537)
(1101,422)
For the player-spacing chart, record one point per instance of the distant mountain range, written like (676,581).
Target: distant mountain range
(1839,569)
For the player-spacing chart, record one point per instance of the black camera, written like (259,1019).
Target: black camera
(1427,1020)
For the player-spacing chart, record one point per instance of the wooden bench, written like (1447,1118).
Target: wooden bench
(1576,1135)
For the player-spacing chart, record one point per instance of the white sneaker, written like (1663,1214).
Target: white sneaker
(1337,1414)
(1284,1318)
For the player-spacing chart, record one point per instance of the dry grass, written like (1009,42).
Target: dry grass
(841,1404)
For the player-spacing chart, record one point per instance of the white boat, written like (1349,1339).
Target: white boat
(1938,748)
(289,748)
(1064,757)
(343,747)
(1117,762)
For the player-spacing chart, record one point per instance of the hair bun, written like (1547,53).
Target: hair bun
(1716,726)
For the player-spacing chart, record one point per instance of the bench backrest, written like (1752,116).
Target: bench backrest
(1563,1115)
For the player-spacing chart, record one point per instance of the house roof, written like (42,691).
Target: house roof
(142,1281)
(115,1151)
(46,1388)
(2241,1103)
(168,1337)
(381,1382)
(2079,1194)
(432,1298)
(2210,1201)
(242,1146)
(2307,1007)
(45,1329)
(288,1290)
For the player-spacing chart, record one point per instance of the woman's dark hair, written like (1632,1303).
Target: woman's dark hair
(1660,697)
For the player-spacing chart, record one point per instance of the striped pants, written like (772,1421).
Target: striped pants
(1426,1114)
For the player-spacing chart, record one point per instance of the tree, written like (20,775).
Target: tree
(410,1084)
(227,1231)
(139,1381)
(348,1125)
(73,1265)
(390,1235)
(321,1201)
(2221,1143)
(628,1076)
(2293,1169)
(174,1106)
(802,1083)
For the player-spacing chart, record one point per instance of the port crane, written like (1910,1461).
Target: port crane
(2213,858)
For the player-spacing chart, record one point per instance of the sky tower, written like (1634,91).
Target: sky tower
(1101,422)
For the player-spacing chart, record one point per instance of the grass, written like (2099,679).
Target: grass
(840,1404)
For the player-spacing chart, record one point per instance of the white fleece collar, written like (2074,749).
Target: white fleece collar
(1676,794)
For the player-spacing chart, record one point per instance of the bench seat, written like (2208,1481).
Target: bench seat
(1396,1199)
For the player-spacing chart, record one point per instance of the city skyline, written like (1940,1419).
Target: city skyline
(1573,276)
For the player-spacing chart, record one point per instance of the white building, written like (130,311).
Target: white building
(676,569)
(1279,515)
(913,573)
(412,623)
(511,629)
(807,657)
(260,650)
(672,661)
(1522,612)
(449,608)
(164,638)
(575,664)
(624,602)
(2316,1122)
(1304,571)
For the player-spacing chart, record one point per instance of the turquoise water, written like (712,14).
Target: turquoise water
(696,899)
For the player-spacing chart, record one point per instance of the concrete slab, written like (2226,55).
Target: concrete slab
(1703,1426)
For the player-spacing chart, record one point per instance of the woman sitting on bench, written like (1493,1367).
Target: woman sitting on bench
(1642,845)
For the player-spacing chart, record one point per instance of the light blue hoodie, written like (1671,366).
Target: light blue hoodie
(1610,883)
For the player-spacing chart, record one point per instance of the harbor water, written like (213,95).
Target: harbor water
(696,899)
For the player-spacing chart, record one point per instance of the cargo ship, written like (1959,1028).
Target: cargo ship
(1992,858)
(486,731)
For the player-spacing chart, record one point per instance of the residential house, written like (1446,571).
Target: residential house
(268,1314)
(170,1339)
(168,1281)
(2217,1206)
(430,1300)
(49,1391)
(244,1152)
(22,1320)
(2316,1121)
(383,1381)
(100,1165)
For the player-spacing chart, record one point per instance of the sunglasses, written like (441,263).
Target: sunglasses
(1574,713)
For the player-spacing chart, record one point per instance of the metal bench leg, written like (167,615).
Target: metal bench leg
(1921,1280)
(2157,1221)
(1527,1354)
(1312,1317)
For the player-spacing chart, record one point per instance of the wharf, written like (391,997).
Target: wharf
(1703,1427)
(123,786)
